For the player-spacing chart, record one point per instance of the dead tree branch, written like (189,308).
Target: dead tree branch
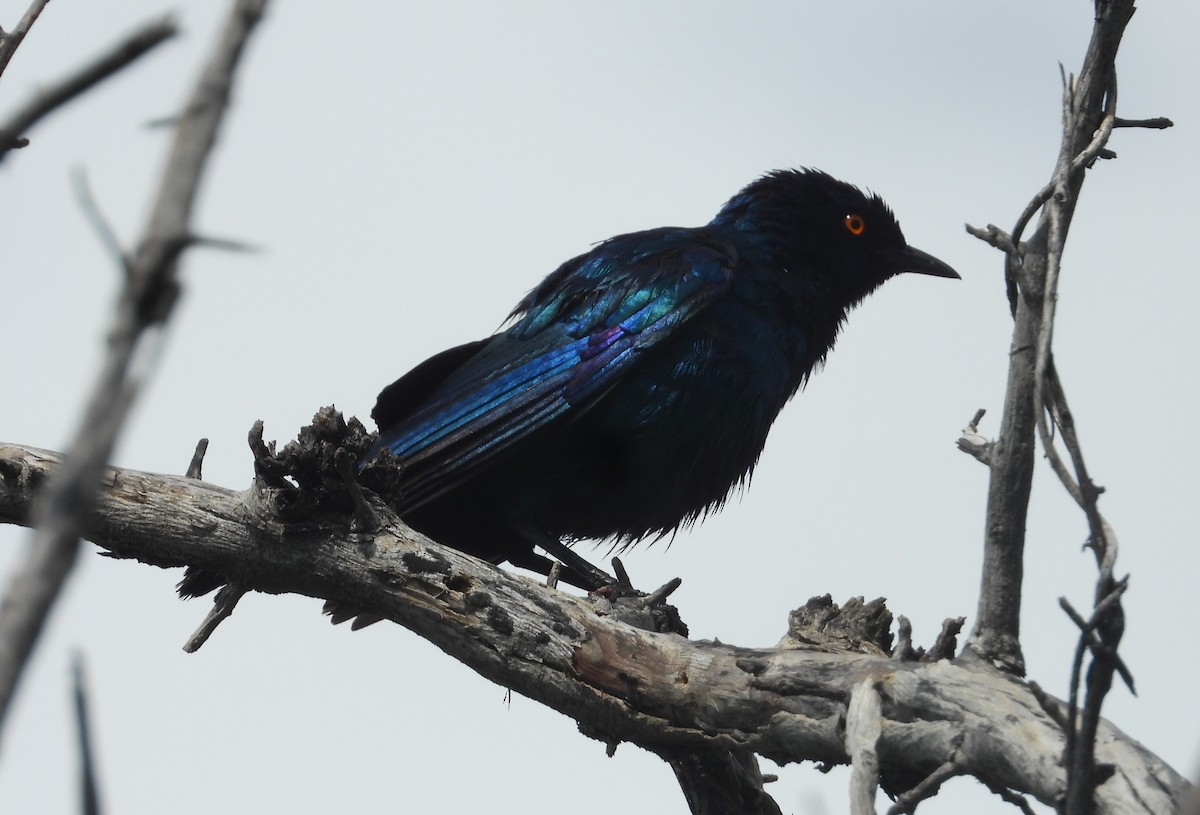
(1032,269)
(89,787)
(11,40)
(145,302)
(1035,400)
(660,691)
(124,53)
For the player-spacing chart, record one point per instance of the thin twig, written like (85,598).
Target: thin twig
(975,444)
(87,203)
(10,40)
(223,605)
(1088,636)
(197,462)
(1081,730)
(128,50)
(994,236)
(1106,604)
(1082,771)
(1058,225)
(1031,209)
(660,595)
(1102,539)
(1010,797)
(927,788)
(1156,123)
(1073,697)
(224,244)
(88,786)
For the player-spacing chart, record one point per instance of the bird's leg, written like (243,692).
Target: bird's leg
(648,611)
(579,571)
(616,595)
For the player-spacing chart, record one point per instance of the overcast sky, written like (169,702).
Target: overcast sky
(410,171)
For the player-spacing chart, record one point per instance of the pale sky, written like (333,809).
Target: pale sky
(410,171)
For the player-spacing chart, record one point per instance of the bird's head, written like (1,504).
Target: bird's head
(835,235)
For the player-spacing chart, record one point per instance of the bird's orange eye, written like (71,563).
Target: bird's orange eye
(855,224)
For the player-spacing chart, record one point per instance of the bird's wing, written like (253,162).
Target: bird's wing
(573,338)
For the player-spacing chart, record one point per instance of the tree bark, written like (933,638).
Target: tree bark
(661,691)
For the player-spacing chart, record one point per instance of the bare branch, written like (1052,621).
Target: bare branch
(10,40)
(975,444)
(224,244)
(1083,773)
(145,302)
(994,236)
(1102,540)
(864,719)
(1010,797)
(1032,270)
(660,691)
(1089,640)
(108,237)
(929,786)
(223,605)
(197,462)
(8,141)
(127,51)
(1057,239)
(1157,123)
(1035,398)
(88,784)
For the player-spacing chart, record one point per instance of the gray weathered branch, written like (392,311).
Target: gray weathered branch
(124,53)
(11,40)
(1032,270)
(660,691)
(145,302)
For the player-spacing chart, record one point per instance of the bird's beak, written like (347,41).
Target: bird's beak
(914,260)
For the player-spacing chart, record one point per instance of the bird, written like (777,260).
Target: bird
(631,392)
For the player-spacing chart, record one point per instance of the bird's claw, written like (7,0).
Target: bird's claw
(637,608)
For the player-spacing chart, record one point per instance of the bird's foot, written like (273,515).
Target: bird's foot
(637,608)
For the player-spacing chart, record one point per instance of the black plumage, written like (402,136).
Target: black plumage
(634,388)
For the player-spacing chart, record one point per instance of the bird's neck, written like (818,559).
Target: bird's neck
(804,314)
